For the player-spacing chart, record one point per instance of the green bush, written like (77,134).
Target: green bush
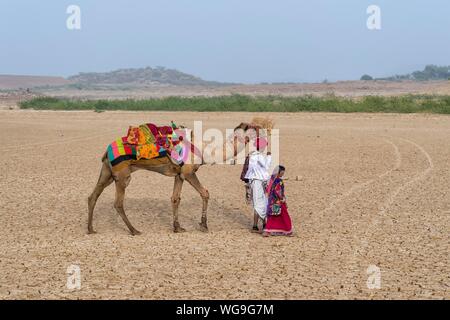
(366,77)
(328,103)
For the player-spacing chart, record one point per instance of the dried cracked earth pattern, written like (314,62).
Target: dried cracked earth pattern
(371,190)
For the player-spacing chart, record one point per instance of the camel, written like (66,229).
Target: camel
(167,167)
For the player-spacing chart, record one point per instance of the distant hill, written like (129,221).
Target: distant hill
(139,77)
(9,82)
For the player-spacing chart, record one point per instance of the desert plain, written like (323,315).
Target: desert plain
(363,191)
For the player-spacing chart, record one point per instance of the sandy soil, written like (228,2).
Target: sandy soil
(340,88)
(23,81)
(372,190)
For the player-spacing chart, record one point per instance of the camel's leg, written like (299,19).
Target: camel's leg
(176,202)
(193,180)
(122,182)
(104,180)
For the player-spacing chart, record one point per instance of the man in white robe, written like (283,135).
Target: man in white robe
(257,174)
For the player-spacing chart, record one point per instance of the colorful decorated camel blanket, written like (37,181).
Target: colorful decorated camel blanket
(147,141)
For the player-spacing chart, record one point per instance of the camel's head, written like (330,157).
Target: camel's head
(242,135)
(246,132)
(259,127)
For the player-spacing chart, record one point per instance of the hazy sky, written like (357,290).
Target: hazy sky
(226,40)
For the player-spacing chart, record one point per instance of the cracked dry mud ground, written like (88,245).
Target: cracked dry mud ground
(372,190)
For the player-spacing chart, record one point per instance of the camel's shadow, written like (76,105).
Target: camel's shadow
(154,214)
